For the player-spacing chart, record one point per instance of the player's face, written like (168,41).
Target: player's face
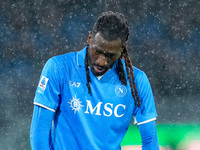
(102,53)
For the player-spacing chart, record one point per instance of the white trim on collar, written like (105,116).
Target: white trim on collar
(99,77)
(77,59)
(80,57)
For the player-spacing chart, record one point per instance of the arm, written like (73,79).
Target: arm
(40,128)
(149,136)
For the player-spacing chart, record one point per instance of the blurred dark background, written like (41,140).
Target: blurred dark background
(164,42)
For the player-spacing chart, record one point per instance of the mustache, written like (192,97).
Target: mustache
(99,66)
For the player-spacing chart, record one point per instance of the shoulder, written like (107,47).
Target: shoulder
(64,58)
(141,78)
(138,73)
(60,63)
(63,61)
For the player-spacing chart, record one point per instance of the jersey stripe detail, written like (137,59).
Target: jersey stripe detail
(146,121)
(77,59)
(35,103)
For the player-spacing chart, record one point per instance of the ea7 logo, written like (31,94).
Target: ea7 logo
(108,109)
(76,84)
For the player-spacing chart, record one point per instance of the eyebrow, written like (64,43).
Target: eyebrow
(103,52)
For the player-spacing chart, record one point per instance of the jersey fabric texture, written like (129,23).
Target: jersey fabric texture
(90,121)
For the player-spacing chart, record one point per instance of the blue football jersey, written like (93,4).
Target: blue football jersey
(90,121)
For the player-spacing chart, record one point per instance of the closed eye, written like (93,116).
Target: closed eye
(96,51)
(109,55)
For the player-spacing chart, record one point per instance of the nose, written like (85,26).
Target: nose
(102,60)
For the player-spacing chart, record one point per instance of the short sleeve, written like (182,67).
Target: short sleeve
(147,111)
(48,90)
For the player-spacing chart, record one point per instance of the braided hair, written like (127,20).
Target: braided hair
(112,26)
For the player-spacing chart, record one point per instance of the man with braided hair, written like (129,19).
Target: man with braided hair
(92,94)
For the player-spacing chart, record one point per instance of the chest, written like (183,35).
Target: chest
(108,96)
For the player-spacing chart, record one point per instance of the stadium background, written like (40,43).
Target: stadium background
(164,42)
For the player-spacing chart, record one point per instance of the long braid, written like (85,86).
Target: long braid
(87,72)
(130,72)
(120,70)
(129,78)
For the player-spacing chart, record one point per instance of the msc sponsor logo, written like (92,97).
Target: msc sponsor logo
(107,109)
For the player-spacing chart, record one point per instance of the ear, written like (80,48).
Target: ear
(89,37)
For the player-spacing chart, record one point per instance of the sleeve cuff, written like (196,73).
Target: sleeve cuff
(143,122)
(41,105)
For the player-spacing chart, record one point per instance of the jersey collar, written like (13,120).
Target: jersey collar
(81,57)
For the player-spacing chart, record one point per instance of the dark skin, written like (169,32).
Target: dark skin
(103,54)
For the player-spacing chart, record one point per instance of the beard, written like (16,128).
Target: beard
(96,69)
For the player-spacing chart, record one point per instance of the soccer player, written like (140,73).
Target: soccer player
(85,99)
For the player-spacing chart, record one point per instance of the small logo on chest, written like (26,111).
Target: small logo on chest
(76,84)
(120,90)
(75,104)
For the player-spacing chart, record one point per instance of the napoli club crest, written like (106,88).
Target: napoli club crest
(120,90)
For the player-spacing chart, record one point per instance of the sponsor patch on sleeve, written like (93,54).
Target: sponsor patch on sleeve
(42,84)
